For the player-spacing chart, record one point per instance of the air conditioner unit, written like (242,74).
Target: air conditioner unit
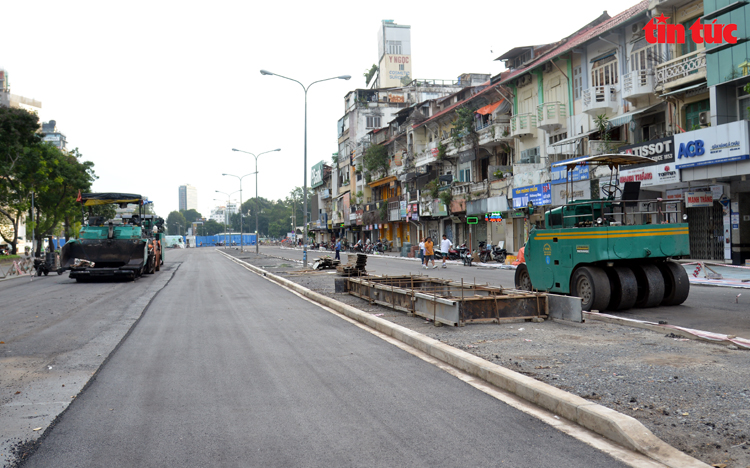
(637,28)
(704,118)
(523,81)
(548,67)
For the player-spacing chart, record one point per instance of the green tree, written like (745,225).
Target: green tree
(463,131)
(176,224)
(56,201)
(18,140)
(211,228)
(368,74)
(191,215)
(376,158)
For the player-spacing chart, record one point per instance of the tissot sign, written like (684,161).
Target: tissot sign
(659,32)
(712,145)
(662,171)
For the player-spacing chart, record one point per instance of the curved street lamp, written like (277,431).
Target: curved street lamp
(304,186)
(257,208)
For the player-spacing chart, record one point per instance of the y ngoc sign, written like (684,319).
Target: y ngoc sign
(659,32)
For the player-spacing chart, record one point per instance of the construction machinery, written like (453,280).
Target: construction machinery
(615,253)
(125,248)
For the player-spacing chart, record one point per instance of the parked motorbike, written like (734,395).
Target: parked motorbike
(499,253)
(485,252)
(453,254)
(465,254)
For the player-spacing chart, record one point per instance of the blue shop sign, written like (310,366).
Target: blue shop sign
(540,194)
(559,174)
(713,145)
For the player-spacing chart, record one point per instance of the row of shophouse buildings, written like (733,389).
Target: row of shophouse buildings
(465,157)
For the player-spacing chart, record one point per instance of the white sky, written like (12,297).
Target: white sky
(157,93)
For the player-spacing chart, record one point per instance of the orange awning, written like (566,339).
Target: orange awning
(489,108)
(382,181)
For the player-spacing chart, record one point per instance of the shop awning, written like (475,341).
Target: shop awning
(627,118)
(489,108)
(682,90)
(384,180)
(573,139)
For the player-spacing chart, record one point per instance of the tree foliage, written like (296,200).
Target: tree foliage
(463,131)
(376,158)
(29,165)
(191,215)
(211,228)
(176,223)
(368,74)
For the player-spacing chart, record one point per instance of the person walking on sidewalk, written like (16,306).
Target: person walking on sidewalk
(421,251)
(429,253)
(338,249)
(445,248)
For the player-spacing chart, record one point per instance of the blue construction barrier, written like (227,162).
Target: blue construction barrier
(234,239)
(61,243)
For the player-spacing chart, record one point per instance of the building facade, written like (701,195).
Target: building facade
(188,197)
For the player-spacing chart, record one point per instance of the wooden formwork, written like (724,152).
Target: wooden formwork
(449,302)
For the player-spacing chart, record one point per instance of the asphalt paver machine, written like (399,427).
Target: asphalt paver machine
(123,248)
(615,253)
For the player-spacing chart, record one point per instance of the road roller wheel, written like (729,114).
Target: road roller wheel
(591,284)
(523,280)
(624,288)
(650,286)
(676,283)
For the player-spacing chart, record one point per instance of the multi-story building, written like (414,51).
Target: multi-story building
(223,214)
(321,200)
(188,197)
(52,135)
(12,100)
(394,56)
(482,149)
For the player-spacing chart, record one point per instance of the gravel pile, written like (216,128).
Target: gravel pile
(693,395)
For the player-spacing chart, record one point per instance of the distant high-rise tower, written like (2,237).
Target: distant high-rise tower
(188,197)
(394,55)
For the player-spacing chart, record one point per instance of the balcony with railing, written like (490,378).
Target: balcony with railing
(492,132)
(682,70)
(638,83)
(551,116)
(599,99)
(522,125)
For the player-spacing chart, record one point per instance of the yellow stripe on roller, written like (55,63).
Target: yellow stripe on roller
(616,236)
(616,233)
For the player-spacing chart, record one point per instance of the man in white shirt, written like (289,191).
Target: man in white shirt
(421,252)
(445,247)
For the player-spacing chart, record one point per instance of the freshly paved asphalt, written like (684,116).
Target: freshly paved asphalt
(228,369)
(709,308)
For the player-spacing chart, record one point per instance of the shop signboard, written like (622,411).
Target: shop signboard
(712,145)
(560,173)
(539,194)
(660,174)
(661,150)
(581,191)
(316,176)
(698,199)
(494,217)
(402,209)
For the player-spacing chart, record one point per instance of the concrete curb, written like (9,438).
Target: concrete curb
(617,427)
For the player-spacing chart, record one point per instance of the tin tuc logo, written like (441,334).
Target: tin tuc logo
(659,32)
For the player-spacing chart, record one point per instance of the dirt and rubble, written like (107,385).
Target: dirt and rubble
(693,395)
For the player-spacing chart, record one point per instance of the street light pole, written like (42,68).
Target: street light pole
(304,186)
(240,179)
(226,215)
(257,208)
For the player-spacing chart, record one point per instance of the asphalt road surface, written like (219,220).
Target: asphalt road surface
(709,308)
(228,369)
